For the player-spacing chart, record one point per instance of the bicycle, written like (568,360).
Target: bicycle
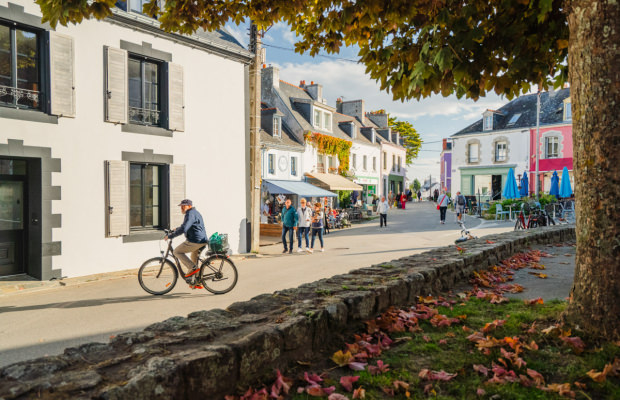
(217,274)
(520,223)
(465,234)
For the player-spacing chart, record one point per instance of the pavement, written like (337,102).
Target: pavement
(44,318)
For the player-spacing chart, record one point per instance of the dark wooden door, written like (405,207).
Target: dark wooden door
(13,213)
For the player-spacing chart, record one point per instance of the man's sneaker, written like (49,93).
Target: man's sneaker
(300,250)
(192,272)
(198,286)
(310,251)
(322,249)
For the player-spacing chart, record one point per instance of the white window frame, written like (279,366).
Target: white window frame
(498,153)
(354,160)
(568,110)
(322,119)
(557,147)
(294,166)
(472,154)
(277,126)
(271,164)
(317,118)
(487,122)
(374,163)
(365,162)
(327,121)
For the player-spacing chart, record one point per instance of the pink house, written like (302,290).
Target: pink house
(555,149)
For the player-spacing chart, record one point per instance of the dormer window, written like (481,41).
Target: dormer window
(277,126)
(487,122)
(322,119)
(568,113)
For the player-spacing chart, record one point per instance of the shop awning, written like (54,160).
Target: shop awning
(295,187)
(332,181)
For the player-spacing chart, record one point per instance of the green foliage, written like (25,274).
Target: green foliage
(330,145)
(414,48)
(411,138)
(344,198)
(416,185)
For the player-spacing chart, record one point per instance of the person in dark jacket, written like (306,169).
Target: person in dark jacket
(195,237)
(289,225)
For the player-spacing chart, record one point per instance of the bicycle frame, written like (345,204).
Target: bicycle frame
(169,255)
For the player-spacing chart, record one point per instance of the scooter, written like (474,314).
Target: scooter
(465,234)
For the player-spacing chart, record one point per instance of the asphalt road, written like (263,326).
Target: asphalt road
(42,323)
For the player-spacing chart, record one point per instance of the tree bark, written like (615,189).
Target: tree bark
(594,64)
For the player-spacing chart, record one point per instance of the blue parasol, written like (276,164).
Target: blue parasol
(510,190)
(525,186)
(565,188)
(555,184)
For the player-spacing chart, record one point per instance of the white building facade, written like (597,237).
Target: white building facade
(99,145)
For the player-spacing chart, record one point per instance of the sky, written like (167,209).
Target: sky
(434,118)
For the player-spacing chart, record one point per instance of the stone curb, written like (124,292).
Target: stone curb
(217,352)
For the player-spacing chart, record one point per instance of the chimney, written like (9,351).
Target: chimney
(270,77)
(380,119)
(445,144)
(355,109)
(339,105)
(315,91)
(302,84)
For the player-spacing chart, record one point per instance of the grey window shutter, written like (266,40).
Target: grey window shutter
(117,198)
(116,103)
(177,193)
(62,75)
(176,98)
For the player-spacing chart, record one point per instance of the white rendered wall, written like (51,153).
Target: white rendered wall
(361,150)
(212,148)
(398,151)
(279,173)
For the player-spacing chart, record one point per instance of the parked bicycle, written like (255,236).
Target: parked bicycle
(218,274)
(536,217)
(465,234)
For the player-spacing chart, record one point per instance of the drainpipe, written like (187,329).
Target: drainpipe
(537,185)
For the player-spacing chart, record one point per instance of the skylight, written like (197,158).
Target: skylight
(513,119)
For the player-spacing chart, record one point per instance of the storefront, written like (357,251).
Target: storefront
(488,182)
(396,184)
(369,187)
(332,182)
(275,192)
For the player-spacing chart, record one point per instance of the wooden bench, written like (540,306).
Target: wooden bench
(271,230)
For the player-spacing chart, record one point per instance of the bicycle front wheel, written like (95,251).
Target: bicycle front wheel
(218,274)
(157,276)
(519,225)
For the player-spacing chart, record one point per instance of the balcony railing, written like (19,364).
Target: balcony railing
(144,116)
(19,97)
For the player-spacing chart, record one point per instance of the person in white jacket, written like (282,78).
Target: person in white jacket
(442,205)
(382,209)
(304,216)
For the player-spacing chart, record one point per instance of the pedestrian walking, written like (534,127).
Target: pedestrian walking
(460,202)
(317,227)
(288,216)
(435,195)
(304,218)
(442,206)
(326,216)
(391,199)
(419,196)
(382,209)
(403,200)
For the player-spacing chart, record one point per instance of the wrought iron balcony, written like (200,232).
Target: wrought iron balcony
(19,97)
(144,116)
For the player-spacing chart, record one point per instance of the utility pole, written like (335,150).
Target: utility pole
(537,147)
(255,161)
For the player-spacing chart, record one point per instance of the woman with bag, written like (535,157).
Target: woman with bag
(442,206)
(317,226)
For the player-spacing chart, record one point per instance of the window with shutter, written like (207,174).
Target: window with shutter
(117,198)
(62,75)
(145,191)
(116,85)
(144,91)
(176,100)
(177,193)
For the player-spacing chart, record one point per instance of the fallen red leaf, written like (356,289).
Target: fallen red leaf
(348,381)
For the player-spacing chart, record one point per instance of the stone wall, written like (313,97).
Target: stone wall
(217,352)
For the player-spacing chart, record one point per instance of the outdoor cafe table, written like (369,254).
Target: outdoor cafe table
(510,212)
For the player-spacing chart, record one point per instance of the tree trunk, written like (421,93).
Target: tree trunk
(594,63)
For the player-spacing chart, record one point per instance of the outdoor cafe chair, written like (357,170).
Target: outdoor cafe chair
(499,211)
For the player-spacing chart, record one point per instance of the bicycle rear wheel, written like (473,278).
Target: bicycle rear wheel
(218,274)
(157,276)
(519,225)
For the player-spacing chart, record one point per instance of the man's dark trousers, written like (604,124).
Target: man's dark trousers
(382,220)
(290,230)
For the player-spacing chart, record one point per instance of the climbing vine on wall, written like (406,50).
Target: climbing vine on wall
(331,146)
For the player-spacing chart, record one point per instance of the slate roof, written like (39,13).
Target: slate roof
(286,139)
(360,138)
(551,113)
(220,37)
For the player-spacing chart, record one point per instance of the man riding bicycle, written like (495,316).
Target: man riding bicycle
(194,229)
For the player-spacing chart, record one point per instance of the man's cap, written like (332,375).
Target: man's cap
(186,202)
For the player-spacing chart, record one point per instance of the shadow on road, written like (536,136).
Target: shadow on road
(103,301)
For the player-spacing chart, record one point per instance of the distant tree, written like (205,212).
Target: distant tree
(416,185)
(411,138)
(415,48)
